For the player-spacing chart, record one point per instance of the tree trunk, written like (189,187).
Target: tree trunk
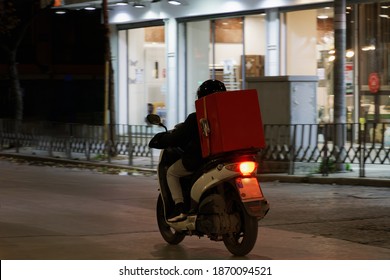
(14,31)
(15,86)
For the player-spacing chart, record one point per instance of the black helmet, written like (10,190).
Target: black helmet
(210,86)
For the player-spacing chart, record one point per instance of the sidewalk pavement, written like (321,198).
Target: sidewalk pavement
(377,175)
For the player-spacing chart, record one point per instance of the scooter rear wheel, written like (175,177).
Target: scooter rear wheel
(169,234)
(241,243)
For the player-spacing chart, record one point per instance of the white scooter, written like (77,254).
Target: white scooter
(223,199)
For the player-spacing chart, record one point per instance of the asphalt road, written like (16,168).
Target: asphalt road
(54,212)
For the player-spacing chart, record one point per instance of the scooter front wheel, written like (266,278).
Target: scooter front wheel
(242,242)
(169,234)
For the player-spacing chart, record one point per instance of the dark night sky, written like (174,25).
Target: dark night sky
(61,69)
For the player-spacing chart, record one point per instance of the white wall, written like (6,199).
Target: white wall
(155,88)
(301,32)
(136,80)
(122,78)
(224,51)
(255,39)
(198,38)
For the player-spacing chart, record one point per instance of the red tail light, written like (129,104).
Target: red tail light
(245,168)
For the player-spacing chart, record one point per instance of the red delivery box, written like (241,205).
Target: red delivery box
(229,121)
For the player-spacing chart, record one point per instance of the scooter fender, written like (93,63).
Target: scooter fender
(252,197)
(210,179)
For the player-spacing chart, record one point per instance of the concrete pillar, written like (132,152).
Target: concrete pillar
(171,80)
(272,57)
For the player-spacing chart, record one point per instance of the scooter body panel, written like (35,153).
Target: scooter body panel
(210,179)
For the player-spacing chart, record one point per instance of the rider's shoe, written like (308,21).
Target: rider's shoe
(179,214)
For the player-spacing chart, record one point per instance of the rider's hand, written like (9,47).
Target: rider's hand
(155,142)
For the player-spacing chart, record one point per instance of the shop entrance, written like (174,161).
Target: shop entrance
(142,74)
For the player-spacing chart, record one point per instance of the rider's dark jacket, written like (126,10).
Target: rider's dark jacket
(186,137)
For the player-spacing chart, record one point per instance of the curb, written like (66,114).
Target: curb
(76,162)
(372,182)
(283,178)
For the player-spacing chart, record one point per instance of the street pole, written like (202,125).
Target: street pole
(109,95)
(106,71)
(339,80)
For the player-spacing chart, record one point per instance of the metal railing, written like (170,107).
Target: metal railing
(289,148)
(90,142)
(327,145)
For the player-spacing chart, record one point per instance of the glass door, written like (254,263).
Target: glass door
(142,80)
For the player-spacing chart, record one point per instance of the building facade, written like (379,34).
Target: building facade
(163,52)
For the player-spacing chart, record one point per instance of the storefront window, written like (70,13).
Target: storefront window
(142,89)
(374,43)
(216,50)
(255,45)
(228,51)
(325,58)
(198,59)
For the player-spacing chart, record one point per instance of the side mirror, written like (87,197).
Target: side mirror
(153,119)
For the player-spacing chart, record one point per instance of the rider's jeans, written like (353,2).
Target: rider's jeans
(174,173)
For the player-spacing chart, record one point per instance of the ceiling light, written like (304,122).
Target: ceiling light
(60,12)
(138,5)
(90,8)
(322,17)
(349,53)
(368,48)
(174,2)
(122,3)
